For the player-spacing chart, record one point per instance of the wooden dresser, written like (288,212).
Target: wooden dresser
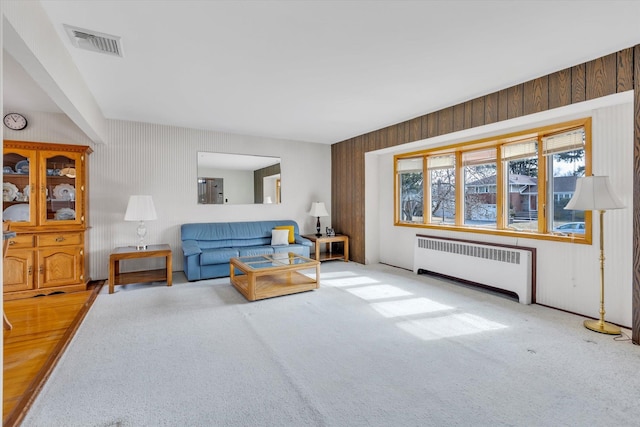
(45,193)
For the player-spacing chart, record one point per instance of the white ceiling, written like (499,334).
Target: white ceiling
(320,71)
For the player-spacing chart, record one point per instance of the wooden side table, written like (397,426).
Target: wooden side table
(130,252)
(328,241)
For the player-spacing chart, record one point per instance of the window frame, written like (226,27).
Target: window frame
(502,187)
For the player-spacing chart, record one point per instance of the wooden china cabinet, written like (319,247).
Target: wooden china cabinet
(44,193)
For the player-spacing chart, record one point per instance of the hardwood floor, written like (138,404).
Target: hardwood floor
(42,328)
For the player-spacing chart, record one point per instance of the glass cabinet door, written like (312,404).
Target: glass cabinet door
(62,195)
(19,187)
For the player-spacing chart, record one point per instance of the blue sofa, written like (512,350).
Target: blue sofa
(208,247)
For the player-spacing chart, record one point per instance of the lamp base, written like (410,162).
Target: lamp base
(602,327)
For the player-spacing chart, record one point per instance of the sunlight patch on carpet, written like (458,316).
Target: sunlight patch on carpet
(408,307)
(352,281)
(334,274)
(454,325)
(378,292)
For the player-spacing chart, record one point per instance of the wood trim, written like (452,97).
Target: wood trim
(46,146)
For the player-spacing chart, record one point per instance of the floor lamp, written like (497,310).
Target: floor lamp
(594,193)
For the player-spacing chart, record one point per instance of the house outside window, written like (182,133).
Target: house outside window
(479,175)
(520,160)
(565,157)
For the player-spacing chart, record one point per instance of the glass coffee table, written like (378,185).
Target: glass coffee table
(272,275)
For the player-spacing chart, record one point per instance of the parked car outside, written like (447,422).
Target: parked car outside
(571,227)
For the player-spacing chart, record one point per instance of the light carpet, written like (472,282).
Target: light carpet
(374,346)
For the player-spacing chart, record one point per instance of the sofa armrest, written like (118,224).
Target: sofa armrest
(190,247)
(303,241)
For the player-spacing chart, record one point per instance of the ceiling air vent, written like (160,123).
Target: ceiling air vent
(94,41)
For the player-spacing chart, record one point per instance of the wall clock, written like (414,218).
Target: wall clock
(15,121)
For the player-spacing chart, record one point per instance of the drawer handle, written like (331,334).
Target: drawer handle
(12,242)
(30,270)
(60,239)
(41,270)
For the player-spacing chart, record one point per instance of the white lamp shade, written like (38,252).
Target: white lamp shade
(318,209)
(594,193)
(140,208)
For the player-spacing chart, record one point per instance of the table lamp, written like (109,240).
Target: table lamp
(318,210)
(140,208)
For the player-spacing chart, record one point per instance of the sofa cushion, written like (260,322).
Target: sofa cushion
(251,242)
(217,256)
(279,237)
(219,231)
(292,231)
(190,247)
(255,250)
(295,248)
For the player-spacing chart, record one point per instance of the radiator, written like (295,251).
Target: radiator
(502,267)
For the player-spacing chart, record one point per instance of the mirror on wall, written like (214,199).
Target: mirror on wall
(238,179)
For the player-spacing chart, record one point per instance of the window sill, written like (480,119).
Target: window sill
(583,239)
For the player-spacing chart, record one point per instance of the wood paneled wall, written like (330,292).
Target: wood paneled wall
(635,319)
(603,76)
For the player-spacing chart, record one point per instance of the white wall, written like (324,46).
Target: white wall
(567,274)
(142,158)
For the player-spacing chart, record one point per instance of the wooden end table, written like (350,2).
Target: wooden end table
(328,241)
(130,252)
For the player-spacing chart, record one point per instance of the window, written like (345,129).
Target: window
(565,157)
(480,177)
(442,181)
(520,162)
(511,184)
(411,190)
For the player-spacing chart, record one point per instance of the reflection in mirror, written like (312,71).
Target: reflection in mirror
(235,179)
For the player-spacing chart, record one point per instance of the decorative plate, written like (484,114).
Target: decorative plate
(9,191)
(22,167)
(7,169)
(65,213)
(19,212)
(64,192)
